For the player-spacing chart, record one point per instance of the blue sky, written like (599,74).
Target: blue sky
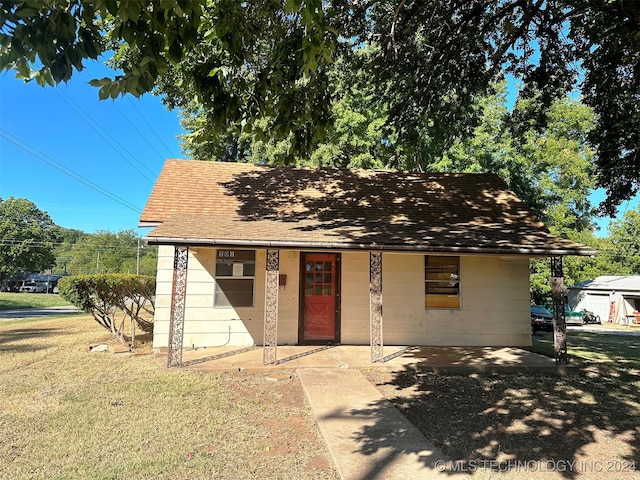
(117,147)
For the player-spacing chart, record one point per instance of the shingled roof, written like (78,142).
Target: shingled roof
(234,204)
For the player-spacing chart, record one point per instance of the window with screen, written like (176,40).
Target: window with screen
(442,281)
(235,278)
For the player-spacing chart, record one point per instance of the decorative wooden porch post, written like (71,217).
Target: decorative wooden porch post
(270,343)
(375,305)
(559,322)
(178,294)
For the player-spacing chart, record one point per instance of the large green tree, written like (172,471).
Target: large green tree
(624,237)
(27,237)
(264,66)
(110,252)
(551,169)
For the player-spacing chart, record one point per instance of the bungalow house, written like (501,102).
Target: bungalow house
(255,255)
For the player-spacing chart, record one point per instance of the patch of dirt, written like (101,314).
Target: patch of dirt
(294,435)
(585,426)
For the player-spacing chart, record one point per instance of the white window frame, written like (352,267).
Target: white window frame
(237,273)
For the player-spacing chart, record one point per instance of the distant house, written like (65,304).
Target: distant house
(599,294)
(254,255)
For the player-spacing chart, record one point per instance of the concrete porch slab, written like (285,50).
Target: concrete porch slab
(437,359)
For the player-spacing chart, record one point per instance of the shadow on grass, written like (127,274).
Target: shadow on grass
(13,340)
(500,423)
(585,348)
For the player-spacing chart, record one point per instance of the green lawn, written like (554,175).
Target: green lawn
(12,301)
(594,349)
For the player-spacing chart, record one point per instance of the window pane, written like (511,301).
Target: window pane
(318,289)
(327,278)
(242,263)
(233,292)
(327,289)
(442,301)
(224,268)
(442,281)
(249,270)
(327,266)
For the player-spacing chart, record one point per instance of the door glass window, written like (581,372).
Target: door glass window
(321,281)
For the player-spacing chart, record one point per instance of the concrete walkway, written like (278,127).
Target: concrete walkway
(366,436)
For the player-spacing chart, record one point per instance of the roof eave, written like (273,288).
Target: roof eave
(286,244)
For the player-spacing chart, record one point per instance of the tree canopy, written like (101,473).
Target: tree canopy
(27,237)
(264,67)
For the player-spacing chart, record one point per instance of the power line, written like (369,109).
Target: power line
(139,132)
(111,72)
(150,127)
(21,144)
(85,116)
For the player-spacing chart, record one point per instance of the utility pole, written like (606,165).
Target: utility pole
(138,259)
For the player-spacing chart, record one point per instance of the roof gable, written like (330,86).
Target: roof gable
(214,202)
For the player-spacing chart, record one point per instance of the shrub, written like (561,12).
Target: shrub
(108,295)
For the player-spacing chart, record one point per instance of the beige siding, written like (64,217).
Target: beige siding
(288,298)
(209,326)
(206,325)
(355,298)
(494,302)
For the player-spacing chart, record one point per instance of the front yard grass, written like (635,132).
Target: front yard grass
(14,301)
(66,412)
(598,350)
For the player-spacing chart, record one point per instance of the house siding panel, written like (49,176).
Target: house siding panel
(288,296)
(354,306)
(494,302)
(206,325)
(491,316)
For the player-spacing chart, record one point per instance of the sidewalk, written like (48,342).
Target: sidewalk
(366,436)
(37,312)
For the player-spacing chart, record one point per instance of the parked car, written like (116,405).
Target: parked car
(541,319)
(570,315)
(33,287)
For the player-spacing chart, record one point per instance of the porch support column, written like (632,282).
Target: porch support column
(375,305)
(270,342)
(559,322)
(178,294)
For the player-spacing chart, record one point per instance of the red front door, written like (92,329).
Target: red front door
(319,319)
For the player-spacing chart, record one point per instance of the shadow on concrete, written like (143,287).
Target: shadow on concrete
(389,442)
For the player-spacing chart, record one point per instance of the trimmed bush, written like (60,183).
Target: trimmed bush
(109,295)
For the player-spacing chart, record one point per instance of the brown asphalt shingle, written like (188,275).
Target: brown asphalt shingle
(233,203)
